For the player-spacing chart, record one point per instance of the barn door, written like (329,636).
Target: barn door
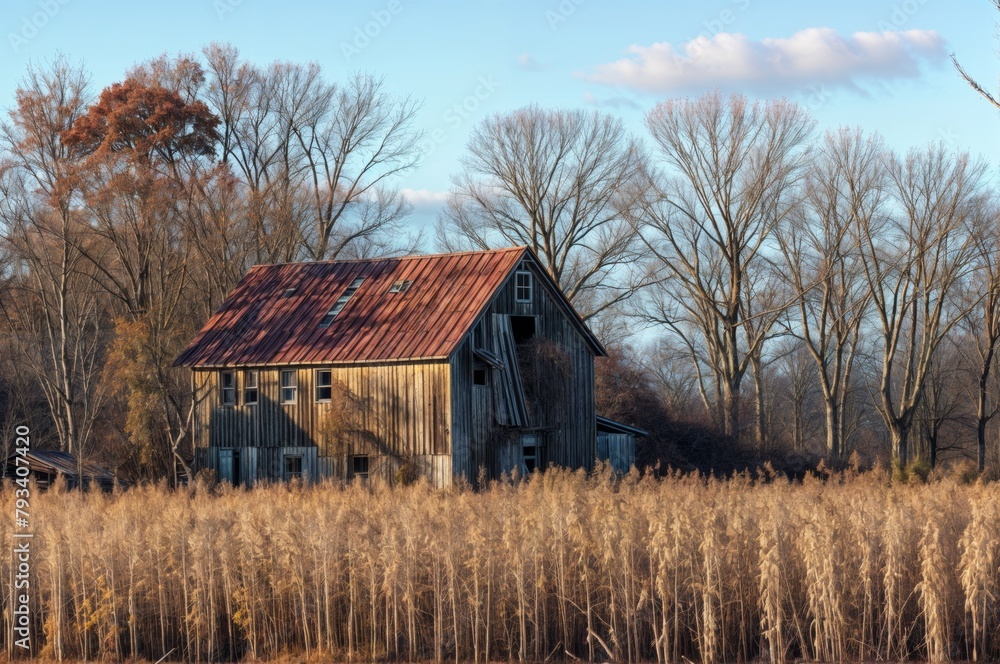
(226,467)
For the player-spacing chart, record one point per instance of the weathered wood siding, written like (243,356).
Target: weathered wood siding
(482,435)
(402,414)
(617,448)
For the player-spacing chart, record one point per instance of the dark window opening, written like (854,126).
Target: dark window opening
(228,382)
(480,376)
(523,328)
(522,286)
(293,467)
(324,385)
(250,393)
(530,458)
(359,466)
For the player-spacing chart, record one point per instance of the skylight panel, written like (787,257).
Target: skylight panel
(401,286)
(341,302)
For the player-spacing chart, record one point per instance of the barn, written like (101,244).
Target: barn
(463,365)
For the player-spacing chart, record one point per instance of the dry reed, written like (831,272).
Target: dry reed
(563,566)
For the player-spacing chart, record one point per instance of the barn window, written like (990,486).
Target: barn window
(531,452)
(289,386)
(530,458)
(401,286)
(480,375)
(293,467)
(228,382)
(522,286)
(250,388)
(359,465)
(341,302)
(324,384)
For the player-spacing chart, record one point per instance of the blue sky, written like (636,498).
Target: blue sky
(880,64)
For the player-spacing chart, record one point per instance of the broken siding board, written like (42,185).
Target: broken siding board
(512,390)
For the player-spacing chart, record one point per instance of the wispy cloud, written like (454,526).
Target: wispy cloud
(816,56)
(527,62)
(614,101)
(425,200)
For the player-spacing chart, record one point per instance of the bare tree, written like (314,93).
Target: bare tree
(554,181)
(796,399)
(709,222)
(846,185)
(943,407)
(318,159)
(980,325)
(913,262)
(968,78)
(51,309)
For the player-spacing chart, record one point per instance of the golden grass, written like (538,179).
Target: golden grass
(563,566)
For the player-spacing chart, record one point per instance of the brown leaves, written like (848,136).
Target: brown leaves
(146,123)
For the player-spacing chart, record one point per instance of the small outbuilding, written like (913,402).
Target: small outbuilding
(616,443)
(45,467)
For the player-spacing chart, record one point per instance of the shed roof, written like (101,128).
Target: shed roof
(607,425)
(64,463)
(274,315)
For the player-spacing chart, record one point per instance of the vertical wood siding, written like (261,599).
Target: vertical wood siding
(404,415)
(483,435)
(617,448)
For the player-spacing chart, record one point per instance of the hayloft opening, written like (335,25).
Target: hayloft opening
(523,328)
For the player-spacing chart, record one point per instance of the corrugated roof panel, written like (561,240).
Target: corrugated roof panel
(259,325)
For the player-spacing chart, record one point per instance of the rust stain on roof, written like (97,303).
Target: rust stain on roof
(262,322)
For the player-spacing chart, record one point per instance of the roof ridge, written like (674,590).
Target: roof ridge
(381,259)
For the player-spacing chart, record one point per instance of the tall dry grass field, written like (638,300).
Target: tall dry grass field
(563,566)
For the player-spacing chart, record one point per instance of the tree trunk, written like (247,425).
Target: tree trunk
(899,435)
(982,418)
(833,443)
(760,398)
(731,412)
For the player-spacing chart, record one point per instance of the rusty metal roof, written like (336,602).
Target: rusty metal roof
(274,314)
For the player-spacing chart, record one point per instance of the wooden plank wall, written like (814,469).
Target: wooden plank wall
(480,420)
(403,411)
(618,448)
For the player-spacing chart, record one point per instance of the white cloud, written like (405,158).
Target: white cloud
(811,57)
(527,62)
(614,101)
(425,200)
